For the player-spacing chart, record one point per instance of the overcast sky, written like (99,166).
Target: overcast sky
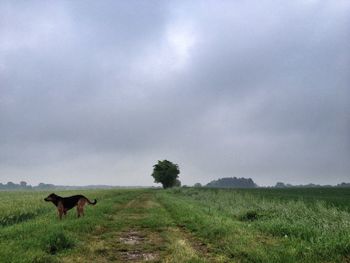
(95,92)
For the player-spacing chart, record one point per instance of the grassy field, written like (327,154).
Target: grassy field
(180,225)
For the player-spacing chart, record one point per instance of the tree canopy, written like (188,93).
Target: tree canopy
(166,173)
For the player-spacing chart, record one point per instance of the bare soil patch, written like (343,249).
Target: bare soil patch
(137,255)
(132,246)
(132,238)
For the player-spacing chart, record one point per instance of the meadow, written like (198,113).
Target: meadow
(180,225)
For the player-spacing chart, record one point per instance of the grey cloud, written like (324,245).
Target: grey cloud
(103,90)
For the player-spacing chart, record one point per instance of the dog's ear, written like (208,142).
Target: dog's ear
(50,197)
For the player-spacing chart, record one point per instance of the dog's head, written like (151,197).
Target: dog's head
(51,198)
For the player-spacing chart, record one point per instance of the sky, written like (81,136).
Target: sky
(96,92)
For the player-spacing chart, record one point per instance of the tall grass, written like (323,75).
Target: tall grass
(31,231)
(18,206)
(314,229)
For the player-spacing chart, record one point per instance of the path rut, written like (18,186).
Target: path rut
(147,234)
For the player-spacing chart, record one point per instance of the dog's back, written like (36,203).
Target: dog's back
(71,201)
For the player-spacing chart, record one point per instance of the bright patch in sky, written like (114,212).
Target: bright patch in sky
(181,39)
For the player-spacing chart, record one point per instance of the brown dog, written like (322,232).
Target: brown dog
(64,204)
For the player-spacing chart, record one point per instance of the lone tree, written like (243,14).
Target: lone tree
(166,173)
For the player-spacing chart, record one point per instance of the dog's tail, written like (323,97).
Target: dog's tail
(91,203)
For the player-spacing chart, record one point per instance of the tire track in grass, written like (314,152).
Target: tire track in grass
(188,248)
(147,238)
(146,233)
(181,246)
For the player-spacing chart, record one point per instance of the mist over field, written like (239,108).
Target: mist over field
(96,92)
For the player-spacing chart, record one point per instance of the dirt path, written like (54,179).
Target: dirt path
(145,232)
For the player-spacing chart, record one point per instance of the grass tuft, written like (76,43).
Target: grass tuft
(250,215)
(57,242)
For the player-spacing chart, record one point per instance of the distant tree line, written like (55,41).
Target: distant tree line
(232,182)
(24,186)
(228,182)
(41,186)
(283,185)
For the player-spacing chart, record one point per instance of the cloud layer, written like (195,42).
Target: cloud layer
(96,93)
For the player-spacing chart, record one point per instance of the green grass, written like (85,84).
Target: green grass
(180,225)
(332,197)
(16,206)
(263,229)
(42,237)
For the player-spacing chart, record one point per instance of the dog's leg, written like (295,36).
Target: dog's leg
(80,206)
(60,213)
(60,210)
